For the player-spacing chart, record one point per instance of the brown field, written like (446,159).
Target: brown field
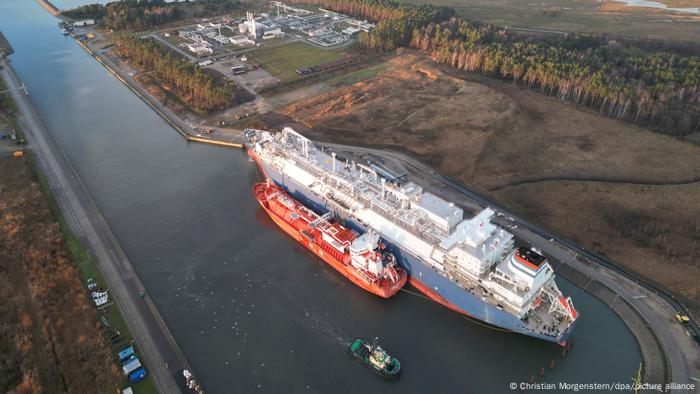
(584,16)
(50,339)
(613,187)
(652,230)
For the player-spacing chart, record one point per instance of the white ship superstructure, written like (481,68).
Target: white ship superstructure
(471,265)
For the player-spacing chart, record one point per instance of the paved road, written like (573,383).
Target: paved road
(180,125)
(151,334)
(176,48)
(682,353)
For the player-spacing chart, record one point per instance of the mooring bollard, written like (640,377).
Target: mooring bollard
(542,371)
(532,378)
(551,364)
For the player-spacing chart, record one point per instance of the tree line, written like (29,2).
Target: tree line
(199,89)
(128,14)
(658,89)
(141,14)
(396,22)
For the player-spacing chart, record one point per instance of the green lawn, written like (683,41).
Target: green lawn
(175,39)
(88,269)
(283,61)
(6,98)
(227,48)
(359,75)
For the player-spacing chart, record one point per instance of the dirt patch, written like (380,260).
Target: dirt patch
(50,340)
(163,94)
(507,142)
(652,230)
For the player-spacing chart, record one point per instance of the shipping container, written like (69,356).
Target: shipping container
(138,375)
(131,366)
(126,354)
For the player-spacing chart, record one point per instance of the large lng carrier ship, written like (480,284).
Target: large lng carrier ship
(471,266)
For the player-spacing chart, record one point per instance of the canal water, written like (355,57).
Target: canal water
(251,310)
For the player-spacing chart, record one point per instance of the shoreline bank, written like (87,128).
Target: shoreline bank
(648,342)
(82,216)
(51,9)
(186,131)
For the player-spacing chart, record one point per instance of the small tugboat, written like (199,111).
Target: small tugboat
(375,358)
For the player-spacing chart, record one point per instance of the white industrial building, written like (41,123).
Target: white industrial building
(199,49)
(272,33)
(241,40)
(84,22)
(255,29)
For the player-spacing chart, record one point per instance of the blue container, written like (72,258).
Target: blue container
(126,354)
(138,375)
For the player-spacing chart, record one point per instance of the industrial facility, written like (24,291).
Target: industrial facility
(322,28)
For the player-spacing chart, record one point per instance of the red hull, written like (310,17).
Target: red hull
(347,270)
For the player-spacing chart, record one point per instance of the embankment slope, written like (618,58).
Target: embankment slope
(615,188)
(50,339)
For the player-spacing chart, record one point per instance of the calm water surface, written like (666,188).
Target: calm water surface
(656,4)
(250,308)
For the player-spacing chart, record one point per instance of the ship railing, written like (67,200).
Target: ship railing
(292,153)
(546,322)
(468,283)
(405,220)
(396,219)
(308,167)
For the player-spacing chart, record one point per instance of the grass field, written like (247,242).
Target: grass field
(360,75)
(175,39)
(583,16)
(5,98)
(283,61)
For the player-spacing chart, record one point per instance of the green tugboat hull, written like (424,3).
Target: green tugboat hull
(362,350)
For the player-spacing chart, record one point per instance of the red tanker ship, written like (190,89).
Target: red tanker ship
(359,258)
